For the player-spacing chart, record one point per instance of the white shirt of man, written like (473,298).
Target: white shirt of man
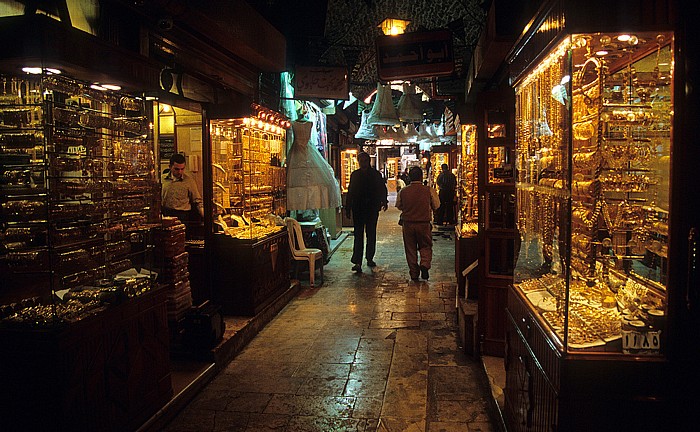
(181,193)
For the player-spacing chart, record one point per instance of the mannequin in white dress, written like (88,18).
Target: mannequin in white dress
(310,180)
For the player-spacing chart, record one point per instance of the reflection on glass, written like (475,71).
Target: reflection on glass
(501,253)
(499,165)
(497,130)
(501,210)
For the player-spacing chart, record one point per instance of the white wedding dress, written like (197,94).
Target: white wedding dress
(310,180)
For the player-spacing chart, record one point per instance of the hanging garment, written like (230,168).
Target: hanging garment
(383,111)
(366,131)
(450,122)
(310,180)
(410,133)
(424,134)
(409,107)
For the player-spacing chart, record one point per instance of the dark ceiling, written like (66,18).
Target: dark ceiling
(343,33)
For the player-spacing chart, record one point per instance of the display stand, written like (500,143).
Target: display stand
(249,251)
(110,372)
(249,275)
(83,324)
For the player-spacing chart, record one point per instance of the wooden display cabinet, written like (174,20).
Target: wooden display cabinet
(348,164)
(497,234)
(250,252)
(393,166)
(83,324)
(467,229)
(592,331)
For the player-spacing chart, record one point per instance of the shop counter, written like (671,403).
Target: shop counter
(248,275)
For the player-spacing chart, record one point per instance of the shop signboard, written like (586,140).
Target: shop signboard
(414,55)
(323,82)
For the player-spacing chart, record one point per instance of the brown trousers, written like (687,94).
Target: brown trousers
(417,237)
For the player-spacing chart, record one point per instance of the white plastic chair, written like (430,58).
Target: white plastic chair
(300,252)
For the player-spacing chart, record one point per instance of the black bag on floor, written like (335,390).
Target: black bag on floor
(203,326)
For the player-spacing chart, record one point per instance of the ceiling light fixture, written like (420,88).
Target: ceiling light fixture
(32,70)
(393,26)
(38,70)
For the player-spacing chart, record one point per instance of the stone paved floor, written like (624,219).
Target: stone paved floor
(364,352)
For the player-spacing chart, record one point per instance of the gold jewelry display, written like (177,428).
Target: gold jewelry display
(586,160)
(626,182)
(614,177)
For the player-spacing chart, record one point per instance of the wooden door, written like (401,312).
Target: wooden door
(497,234)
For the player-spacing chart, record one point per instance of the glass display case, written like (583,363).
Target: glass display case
(393,167)
(249,181)
(467,228)
(437,158)
(81,313)
(593,198)
(79,198)
(467,177)
(348,164)
(248,242)
(588,332)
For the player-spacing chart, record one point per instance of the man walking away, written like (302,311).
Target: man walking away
(416,202)
(367,194)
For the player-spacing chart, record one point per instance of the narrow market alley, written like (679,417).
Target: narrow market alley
(373,351)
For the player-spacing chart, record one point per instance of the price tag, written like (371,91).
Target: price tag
(633,342)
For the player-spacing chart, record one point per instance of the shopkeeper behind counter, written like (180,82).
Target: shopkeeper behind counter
(180,194)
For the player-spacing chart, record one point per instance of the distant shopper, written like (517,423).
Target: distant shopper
(447,183)
(367,194)
(180,196)
(404,176)
(400,183)
(417,202)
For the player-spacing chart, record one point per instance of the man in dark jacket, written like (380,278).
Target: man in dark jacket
(447,183)
(367,194)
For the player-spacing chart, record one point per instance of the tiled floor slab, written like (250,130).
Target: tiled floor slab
(363,353)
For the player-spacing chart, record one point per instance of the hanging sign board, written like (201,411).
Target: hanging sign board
(413,55)
(322,82)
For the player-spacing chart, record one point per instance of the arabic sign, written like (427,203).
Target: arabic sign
(323,82)
(413,55)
